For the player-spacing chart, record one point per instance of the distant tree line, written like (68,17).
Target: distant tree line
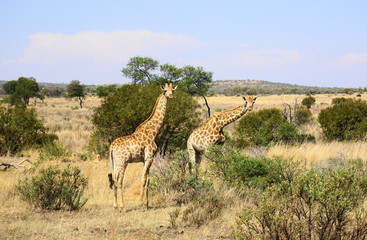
(234,91)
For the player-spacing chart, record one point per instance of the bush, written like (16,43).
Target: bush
(239,170)
(303,116)
(265,127)
(344,121)
(340,100)
(21,129)
(122,111)
(319,203)
(54,189)
(308,101)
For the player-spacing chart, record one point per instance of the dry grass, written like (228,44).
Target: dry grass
(98,220)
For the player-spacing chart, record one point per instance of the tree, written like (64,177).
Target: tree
(76,90)
(22,90)
(196,81)
(140,69)
(308,101)
(170,73)
(103,91)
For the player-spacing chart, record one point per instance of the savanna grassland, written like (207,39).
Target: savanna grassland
(98,219)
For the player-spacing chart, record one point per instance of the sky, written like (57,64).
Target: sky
(312,43)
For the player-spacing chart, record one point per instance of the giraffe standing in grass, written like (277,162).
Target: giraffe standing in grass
(138,147)
(211,132)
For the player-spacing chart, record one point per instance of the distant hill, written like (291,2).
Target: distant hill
(235,87)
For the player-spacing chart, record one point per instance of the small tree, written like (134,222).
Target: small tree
(76,90)
(196,81)
(140,70)
(22,90)
(308,101)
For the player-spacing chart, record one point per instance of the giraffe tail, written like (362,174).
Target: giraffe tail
(110,180)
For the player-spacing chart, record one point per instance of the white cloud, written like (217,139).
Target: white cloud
(104,47)
(352,58)
(254,58)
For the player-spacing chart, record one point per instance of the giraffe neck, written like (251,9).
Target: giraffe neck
(153,124)
(230,115)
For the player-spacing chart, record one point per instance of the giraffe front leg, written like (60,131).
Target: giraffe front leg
(145,182)
(192,157)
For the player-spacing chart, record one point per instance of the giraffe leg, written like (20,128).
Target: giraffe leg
(192,156)
(115,197)
(145,181)
(118,188)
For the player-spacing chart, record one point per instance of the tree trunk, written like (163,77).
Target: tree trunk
(207,105)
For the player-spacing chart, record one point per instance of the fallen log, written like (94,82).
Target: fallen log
(15,165)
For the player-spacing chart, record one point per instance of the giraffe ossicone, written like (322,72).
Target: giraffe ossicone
(140,146)
(211,131)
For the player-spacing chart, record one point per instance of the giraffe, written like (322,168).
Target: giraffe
(211,132)
(138,147)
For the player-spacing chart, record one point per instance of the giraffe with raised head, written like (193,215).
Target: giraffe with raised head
(211,132)
(138,147)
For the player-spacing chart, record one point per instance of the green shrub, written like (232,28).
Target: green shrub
(54,189)
(308,101)
(20,129)
(265,127)
(303,116)
(336,101)
(124,109)
(319,203)
(344,121)
(256,172)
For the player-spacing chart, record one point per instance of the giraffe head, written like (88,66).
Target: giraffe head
(250,101)
(168,90)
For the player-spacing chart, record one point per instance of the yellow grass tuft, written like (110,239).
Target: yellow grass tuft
(321,152)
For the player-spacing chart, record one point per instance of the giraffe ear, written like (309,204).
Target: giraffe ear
(162,87)
(244,98)
(255,99)
(175,87)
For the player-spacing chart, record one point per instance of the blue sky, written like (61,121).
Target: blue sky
(314,43)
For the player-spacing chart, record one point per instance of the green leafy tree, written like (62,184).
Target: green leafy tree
(21,129)
(170,73)
(308,101)
(77,91)
(103,91)
(196,82)
(22,90)
(140,70)
(125,109)
(346,121)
